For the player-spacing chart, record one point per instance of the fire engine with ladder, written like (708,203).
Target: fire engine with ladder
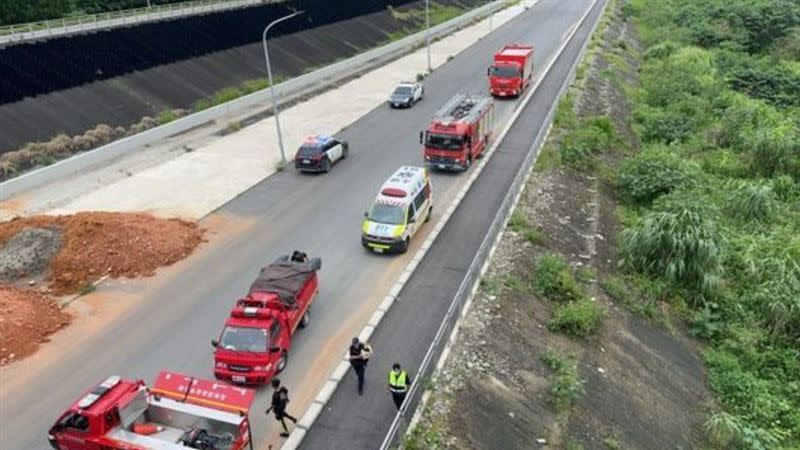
(459,132)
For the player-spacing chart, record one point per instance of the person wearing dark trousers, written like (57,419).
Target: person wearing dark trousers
(399,382)
(280,398)
(359,354)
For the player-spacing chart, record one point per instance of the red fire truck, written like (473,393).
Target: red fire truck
(512,70)
(178,412)
(254,344)
(459,132)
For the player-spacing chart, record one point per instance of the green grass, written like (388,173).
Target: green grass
(87,288)
(711,223)
(554,280)
(579,318)
(565,386)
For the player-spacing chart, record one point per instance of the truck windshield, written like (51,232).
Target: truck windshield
(244,339)
(504,71)
(393,215)
(444,141)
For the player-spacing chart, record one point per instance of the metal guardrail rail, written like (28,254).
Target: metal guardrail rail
(15,34)
(292,88)
(403,418)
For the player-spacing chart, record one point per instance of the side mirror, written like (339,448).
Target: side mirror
(488,71)
(274,349)
(420,137)
(214,343)
(366,214)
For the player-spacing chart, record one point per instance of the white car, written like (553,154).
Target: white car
(406,94)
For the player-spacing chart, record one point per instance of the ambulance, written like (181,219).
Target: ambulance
(403,204)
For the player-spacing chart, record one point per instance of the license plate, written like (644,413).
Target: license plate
(441,166)
(238,379)
(378,250)
(306,161)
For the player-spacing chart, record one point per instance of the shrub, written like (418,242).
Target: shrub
(775,150)
(724,163)
(577,318)
(555,281)
(652,173)
(565,386)
(681,244)
(752,202)
(785,188)
(592,135)
(661,50)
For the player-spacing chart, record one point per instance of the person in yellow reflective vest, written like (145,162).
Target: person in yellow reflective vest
(399,382)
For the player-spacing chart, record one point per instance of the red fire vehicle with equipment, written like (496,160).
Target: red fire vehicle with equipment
(254,344)
(177,413)
(512,70)
(459,132)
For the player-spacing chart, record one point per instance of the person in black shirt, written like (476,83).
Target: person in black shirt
(280,398)
(358,355)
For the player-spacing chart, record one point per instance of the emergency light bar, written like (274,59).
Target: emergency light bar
(92,397)
(393,192)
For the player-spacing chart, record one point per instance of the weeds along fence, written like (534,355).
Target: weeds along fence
(402,421)
(285,91)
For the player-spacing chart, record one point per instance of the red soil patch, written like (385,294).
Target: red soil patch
(95,244)
(27,318)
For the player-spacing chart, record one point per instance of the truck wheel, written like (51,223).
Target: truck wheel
(304,321)
(468,163)
(404,247)
(344,152)
(281,364)
(430,213)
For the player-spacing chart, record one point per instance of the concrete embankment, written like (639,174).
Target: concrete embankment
(148,82)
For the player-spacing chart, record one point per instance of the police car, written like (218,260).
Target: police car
(402,206)
(318,153)
(406,94)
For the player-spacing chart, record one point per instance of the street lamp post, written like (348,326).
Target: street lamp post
(428,32)
(271,85)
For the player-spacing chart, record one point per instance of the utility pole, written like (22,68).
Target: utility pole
(271,84)
(428,32)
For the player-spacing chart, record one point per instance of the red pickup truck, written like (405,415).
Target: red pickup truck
(178,412)
(255,341)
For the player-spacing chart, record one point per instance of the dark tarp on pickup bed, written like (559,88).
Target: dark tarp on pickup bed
(285,279)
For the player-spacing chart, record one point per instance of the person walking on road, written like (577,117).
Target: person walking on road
(399,382)
(280,398)
(358,355)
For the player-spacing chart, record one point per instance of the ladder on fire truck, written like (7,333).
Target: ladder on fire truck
(462,107)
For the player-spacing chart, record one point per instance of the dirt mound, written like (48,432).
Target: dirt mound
(28,253)
(27,318)
(94,244)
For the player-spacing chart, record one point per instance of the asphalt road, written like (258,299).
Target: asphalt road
(167,322)
(354,422)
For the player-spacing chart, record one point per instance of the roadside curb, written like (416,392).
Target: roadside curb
(64,303)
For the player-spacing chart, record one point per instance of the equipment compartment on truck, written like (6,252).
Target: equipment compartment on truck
(178,412)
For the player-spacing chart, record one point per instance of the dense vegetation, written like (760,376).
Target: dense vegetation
(712,199)
(21,11)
